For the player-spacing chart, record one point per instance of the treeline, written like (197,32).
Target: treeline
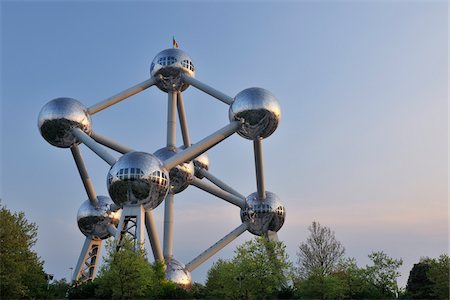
(259,269)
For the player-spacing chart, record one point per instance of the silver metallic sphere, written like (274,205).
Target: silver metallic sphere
(138,178)
(200,162)
(94,221)
(180,176)
(259,110)
(170,63)
(261,216)
(58,117)
(177,273)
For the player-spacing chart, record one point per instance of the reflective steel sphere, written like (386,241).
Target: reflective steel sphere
(58,117)
(200,162)
(170,63)
(177,273)
(259,110)
(138,178)
(261,216)
(94,221)
(180,176)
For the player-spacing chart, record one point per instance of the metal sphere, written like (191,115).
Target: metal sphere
(58,117)
(94,221)
(200,162)
(259,110)
(138,178)
(261,216)
(170,63)
(180,176)
(177,273)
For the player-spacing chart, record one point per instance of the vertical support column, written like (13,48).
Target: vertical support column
(131,224)
(257,147)
(153,236)
(86,268)
(168,226)
(171,118)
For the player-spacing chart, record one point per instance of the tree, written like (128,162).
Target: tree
(439,276)
(383,273)
(126,273)
(21,269)
(260,268)
(419,285)
(320,253)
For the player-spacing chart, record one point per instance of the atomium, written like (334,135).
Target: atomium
(138,182)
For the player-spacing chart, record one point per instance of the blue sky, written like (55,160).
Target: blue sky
(362,146)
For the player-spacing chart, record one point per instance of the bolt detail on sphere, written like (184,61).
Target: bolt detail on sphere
(57,119)
(138,182)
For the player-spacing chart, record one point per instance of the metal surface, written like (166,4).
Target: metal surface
(196,149)
(220,183)
(57,119)
(259,111)
(111,144)
(138,178)
(94,146)
(207,89)
(153,236)
(183,121)
(201,162)
(93,221)
(181,175)
(84,175)
(168,227)
(177,273)
(131,224)
(212,189)
(87,264)
(171,119)
(122,95)
(259,168)
(262,216)
(216,247)
(170,64)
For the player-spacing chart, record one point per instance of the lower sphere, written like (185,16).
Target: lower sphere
(177,273)
(261,216)
(94,221)
(138,178)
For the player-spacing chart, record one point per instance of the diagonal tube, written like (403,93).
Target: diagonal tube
(207,89)
(111,144)
(84,175)
(94,146)
(122,95)
(214,190)
(153,236)
(259,167)
(220,183)
(202,146)
(183,121)
(216,247)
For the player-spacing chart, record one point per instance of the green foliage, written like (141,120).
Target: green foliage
(419,285)
(320,253)
(21,270)
(126,273)
(58,289)
(439,276)
(259,269)
(383,273)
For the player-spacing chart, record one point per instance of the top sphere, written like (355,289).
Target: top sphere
(138,178)
(58,117)
(170,64)
(259,110)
